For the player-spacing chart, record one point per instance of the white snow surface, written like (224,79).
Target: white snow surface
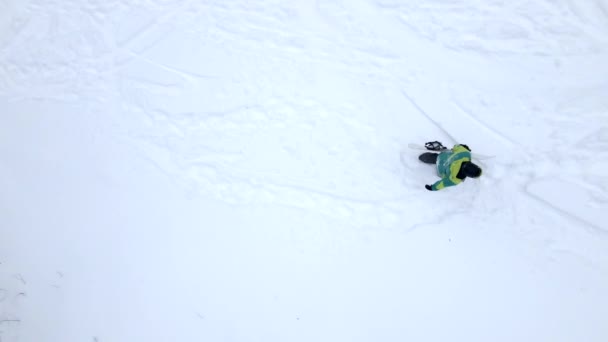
(238,170)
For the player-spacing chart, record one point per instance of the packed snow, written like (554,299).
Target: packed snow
(181,170)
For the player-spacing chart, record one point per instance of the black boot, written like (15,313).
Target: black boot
(428,157)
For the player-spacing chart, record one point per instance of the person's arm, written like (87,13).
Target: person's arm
(443,183)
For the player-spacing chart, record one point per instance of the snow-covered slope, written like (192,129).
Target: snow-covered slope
(175,170)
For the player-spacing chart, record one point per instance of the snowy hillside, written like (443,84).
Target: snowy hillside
(238,170)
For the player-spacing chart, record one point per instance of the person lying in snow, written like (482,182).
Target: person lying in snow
(453,166)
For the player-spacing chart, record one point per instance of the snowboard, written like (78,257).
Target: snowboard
(423,148)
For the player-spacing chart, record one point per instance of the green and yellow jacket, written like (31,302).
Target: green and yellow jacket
(448,166)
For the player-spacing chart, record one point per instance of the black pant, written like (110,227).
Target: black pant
(428,157)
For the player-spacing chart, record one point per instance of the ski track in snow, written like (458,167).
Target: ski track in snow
(194,89)
(488,27)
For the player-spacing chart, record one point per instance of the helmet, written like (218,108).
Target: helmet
(471,170)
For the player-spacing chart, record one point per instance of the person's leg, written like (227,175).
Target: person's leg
(428,157)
